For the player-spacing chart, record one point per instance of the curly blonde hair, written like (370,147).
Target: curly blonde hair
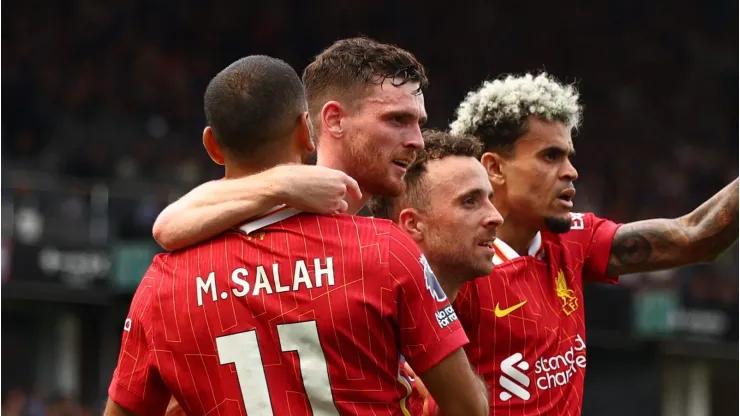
(497,112)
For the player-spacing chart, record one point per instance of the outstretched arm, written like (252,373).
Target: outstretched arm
(697,237)
(214,206)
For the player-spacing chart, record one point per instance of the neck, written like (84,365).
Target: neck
(333,161)
(234,170)
(516,233)
(449,280)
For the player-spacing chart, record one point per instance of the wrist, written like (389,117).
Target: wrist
(275,189)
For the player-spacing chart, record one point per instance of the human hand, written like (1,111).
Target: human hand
(314,189)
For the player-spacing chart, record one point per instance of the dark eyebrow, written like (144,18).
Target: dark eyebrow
(406,115)
(471,193)
(559,151)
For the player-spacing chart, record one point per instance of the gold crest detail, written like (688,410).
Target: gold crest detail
(568,296)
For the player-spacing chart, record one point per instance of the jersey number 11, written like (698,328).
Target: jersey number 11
(242,350)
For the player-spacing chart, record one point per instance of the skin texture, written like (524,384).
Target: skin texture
(699,236)
(361,140)
(364,138)
(455,216)
(528,182)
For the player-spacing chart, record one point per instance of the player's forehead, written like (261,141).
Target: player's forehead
(546,134)
(390,97)
(456,175)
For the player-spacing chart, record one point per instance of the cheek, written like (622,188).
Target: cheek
(450,232)
(532,180)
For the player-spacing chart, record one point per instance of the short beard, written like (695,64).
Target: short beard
(558,225)
(365,169)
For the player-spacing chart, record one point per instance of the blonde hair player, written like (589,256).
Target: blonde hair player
(526,321)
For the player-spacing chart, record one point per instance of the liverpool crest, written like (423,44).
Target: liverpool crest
(568,296)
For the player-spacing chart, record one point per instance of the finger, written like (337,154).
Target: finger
(353,189)
(343,206)
(409,370)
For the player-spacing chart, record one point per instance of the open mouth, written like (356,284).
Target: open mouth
(567,195)
(488,244)
(403,164)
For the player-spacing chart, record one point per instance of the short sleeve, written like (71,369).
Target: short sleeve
(430,330)
(137,385)
(597,258)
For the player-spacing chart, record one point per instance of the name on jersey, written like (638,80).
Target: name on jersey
(267,280)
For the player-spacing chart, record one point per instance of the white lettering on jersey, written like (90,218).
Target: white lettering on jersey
(267,280)
(576,221)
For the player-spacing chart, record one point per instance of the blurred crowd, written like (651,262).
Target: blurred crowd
(111,92)
(19,403)
(102,103)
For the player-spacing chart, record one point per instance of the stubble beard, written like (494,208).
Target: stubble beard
(558,225)
(370,172)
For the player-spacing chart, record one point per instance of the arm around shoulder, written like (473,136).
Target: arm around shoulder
(212,208)
(215,206)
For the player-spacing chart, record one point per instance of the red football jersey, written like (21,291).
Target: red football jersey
(526,322)
(293,314)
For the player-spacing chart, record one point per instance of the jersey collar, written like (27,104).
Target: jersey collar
(272,216)
(503,252)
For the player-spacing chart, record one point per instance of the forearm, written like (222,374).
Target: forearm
(713,226)
(430,406)
(660,244)
(212,208)
(113,409)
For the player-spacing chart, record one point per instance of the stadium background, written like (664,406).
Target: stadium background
(101,123)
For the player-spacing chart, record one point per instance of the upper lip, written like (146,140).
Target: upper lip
(404,160)
(568,193)
(486,241)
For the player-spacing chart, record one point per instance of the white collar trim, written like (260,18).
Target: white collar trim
(272,216)
(504,252)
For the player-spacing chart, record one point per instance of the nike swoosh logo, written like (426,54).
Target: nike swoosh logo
(500,313)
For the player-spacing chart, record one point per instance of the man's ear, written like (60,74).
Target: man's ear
(212,147)
(411,221)
(332,114)
(493,164)
(302,134)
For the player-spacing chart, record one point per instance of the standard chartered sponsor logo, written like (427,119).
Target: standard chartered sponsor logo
(510,367)
(556,371)
(549,372)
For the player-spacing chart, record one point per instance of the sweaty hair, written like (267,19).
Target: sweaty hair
(497,112)
(253,104)
(346,69)
(437,145)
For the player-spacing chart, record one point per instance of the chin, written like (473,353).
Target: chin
(481,269)
(485,270)
(392,187)
(559,224)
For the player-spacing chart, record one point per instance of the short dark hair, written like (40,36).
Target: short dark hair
(345,69)
(253,103)
(437,145)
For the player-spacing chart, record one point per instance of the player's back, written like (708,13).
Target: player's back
(302,314)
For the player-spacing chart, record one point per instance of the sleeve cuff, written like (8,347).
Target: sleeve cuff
(432,355)
(604,238)
(133,403)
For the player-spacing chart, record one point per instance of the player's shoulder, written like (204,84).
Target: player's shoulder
(581,224)
(382,225)
(370,230)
